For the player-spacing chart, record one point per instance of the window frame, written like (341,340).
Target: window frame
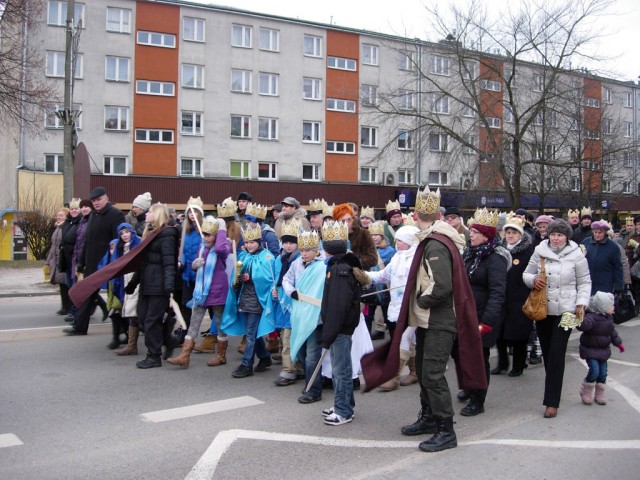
(315,170)
(490,85)
(626,188)
(340,147)
(336,103)
(117,69)
(242,164)
(591,102)
(199,29)
(627,100)
(58,160)
(273,171)
(61,14)
(273,84)
(372,137)
(245,75)
(161,132)
(120,110)
(315,128)
(437,65)
(316,87)
(373,54)
(317,45)
(494,122)
(406,137)
(440,173)
(273,129)
(111,159)
(152,82)
(123,27)
(50,112)
(370,170)
(607,95)
(194,130)
(403,96)
(243,31)
(442,142)
(408,172)
(342,63)
(60,64)
(271,32)
(198,76)
(196,167)
(440,104)
(150,43)
(366,91)
(245,126)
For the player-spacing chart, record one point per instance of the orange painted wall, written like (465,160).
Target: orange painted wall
(490,140)
(151,111)
(592,181)
(342,126)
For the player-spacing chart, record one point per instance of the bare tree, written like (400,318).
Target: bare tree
(38,222)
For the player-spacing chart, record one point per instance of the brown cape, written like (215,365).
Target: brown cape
(382,364)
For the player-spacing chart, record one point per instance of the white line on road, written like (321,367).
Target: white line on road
(60,327)
(630,323)
(622,362)
(200,409)
(589,444)
(9,440)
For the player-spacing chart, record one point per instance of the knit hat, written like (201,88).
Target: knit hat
(452,211)
(97,192)
(277,207)
(291,201)
(514,222)
(407,234)
(601,302)
(245,196)
(86,203)
(521,211)
(600,225)
(544,219)
(487,230)
(335,247)
(143,202)
(341,210)
(560,226)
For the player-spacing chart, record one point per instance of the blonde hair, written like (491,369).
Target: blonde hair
(188,224)
(161,217)
(64,210)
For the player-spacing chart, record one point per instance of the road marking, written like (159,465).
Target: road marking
(200,409)
(49,328)
(621,362)
(9,440)
(630,323)
(584,444)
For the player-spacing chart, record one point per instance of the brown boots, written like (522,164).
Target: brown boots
(131,348)
(412,377)
(182,360)
(243,342)
(393,384)
(207,345)
(220,358)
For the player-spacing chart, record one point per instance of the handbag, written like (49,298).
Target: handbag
(535,307)
(634,271)
(625,310)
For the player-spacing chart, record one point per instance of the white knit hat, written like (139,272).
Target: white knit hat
(143,201)
(407,234)
(601,302)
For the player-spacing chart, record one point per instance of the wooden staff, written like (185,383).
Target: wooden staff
(317,370)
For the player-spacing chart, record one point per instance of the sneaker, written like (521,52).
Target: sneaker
(377,335)
(283,381)
(308,398)
(263,364)
(149,362)
(242,372)
(329,411)
(335,419)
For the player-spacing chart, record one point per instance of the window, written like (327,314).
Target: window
(118,20)
(117,69)
(311,132)
(347,148)
(51,120)
(312,46)
(240,126)
(508,114)
(369,54)
(607,95)
(469,70)
(469,108)
(55,65)
(606,126)
(509,76)
(405,177)
(239,169)
(115,165)
(471,144)
(241,81)
(341,105)
(368,174)
(547,152)
(627,99)
(369,95)
(54,163)
(606,186)
(438,142)
(438,178)
(406,61)
(311,88)
(628,129)
(404,140)
(241,36)
(538,119)
(155,39)
(538,83)
(549,184)
(116,118)
(591,102)
(491,85)
(627,161)
(368,137)
(311,172)
(405,99)
(144,135)
(626,187)
(341,63)
(268,84)
(575,184)
(439,103)
(191,123)
(191,167)
(592,134)
(267,171)
(268,128)
(193,29)
(269,40)
(148,87)
(192,76)
(439,65)
(494,122)
(590,165)
(58,13)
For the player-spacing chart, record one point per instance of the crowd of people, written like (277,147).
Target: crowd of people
(303,287)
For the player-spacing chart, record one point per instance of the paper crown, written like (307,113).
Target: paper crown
(308,241)
(368,212)
(392,206)
(291,228)
(485,217)
(629,221)
(209,225)
(75,203)
(317,206)
(513,219)
(407,219)
(586,211)
(335,230)
(327,210)
(195,202)
(377,228)
(428,201)
(257,210)
(573,213)
(252,233)
(227,208)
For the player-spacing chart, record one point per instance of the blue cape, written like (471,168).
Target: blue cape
(117,283)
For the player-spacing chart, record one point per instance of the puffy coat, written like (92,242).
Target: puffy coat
(517,326)
(157,274)
(598,333)
(53,257)
(69,232)
(363,247)
(604,263)
(220,281)
(568,279)
(101,229)
(580,233)
(190,248)
(81,235)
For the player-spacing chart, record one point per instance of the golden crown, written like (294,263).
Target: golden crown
(317,205)
(377,228)
(327,210)
(195,202)
(513,219)
(308,241)
(486,217)
(629,221)
(428,201)
(407,219)
(75,203)
(368,212)
(392,206)
(227,208)
(586,211)
(573,213)
(209,225)
(335,230)
(257,210)
(252,233)
(291,228)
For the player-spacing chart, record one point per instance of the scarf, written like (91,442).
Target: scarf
(476,254)
(204,278)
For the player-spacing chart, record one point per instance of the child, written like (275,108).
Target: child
(210,290)
(598,332)
(385,254)
(340,314)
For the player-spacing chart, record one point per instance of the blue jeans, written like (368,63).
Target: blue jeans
(597,371)
(342,382)
(251,321)
(70,283)
(309,356)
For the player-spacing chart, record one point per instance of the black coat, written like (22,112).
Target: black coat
(340,310)
(101,229)
(580,233)
(69,229)
(517,326)
(157,274)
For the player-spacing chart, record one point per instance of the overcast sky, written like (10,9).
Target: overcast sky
(409,18)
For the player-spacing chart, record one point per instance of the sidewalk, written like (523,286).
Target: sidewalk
(24,282)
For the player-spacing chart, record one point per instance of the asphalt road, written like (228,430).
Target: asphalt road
(77,411)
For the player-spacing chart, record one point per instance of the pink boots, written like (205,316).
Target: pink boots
(586,392)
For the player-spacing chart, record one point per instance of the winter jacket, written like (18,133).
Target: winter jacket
(386,253)
(537,238)
(299,214)
(633,254)
(101,229)
(220,281)
(340,310)
(363,247)
(53,257)
(598,334)
(138,222)
(604,265)
(69,231)
(81,235)
(580,233)
(517,326)
(295,271)
(190,246)
(626,269)
(269,240)
(157,274)
(568,279)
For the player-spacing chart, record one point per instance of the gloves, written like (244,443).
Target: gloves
(130,289)
(222,225)
(484,329)
(621,347)
(422,302)
(197,263)
(244,277)
(294,295)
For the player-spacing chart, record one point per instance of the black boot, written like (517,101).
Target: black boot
(116,328)
(103,306)
(444,438)
(169,340)
(152,361)
(425,424)
(503,358)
